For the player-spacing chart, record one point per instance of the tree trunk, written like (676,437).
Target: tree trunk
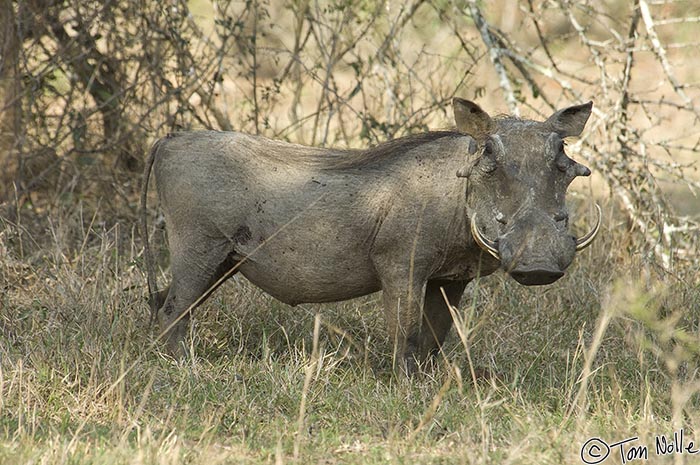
(10,103)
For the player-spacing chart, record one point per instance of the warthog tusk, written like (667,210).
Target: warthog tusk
(486,244)
(585,241)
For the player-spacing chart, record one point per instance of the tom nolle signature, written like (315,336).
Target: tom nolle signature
(596,450)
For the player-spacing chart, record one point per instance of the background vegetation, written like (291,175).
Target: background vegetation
(529,374)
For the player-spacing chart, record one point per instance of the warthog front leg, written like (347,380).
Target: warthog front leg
(437,319)
(402,309)
(418,319)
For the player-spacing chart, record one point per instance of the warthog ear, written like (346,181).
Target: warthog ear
(471,119)
(570,121)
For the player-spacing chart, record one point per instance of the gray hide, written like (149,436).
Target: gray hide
(321,225)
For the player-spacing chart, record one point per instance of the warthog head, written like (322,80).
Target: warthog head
(517,187)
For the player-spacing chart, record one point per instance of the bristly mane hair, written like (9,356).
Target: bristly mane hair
(358,158)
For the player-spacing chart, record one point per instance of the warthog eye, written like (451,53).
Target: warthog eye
(487,165)
(487,162)
(562,217)
(564,162)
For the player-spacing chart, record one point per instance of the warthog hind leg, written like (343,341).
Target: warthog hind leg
(197,271)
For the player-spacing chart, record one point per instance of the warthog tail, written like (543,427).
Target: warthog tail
(148,256)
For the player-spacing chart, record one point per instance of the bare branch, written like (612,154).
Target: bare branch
(495,54)
(661,53)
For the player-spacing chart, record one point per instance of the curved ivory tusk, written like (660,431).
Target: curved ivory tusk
(585,241)
(486,244)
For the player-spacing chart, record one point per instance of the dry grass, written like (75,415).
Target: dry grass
(529,375)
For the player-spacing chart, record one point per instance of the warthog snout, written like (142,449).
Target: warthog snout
(533,253)
(536,259)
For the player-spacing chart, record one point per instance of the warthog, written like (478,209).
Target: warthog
(411,217)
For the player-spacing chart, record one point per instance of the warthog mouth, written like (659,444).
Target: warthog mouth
(491,246)
(536,275)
